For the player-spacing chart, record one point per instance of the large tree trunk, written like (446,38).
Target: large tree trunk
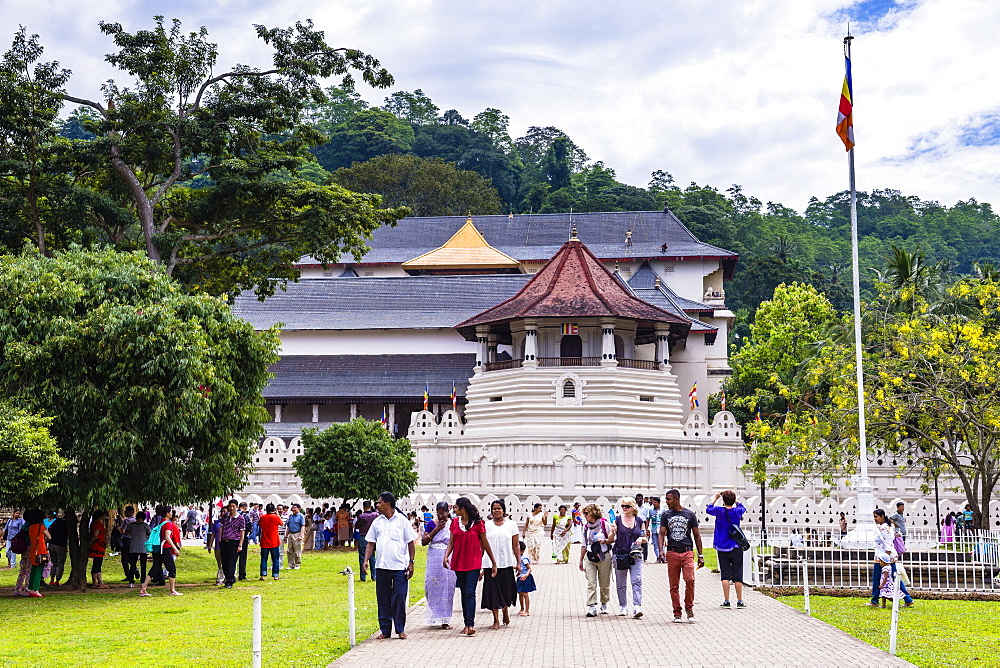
(78,529)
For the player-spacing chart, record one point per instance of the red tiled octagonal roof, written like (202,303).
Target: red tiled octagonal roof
(573,284)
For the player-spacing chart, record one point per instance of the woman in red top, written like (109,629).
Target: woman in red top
(465,556)
(168,546)
(37,550)
(98,548)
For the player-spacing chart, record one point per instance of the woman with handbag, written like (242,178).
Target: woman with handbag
(628,535)
(38,553)
(885,558)
(729,543)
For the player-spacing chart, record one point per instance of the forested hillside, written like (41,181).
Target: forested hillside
(545,171)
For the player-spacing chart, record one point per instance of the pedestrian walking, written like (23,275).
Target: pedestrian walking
(270,542)
(627,536)
(576,533)
(319,537)
(293,537)
(948,529)
(135,548)
(231,531)
(11,529)
(241,561)
(392,539)
(165,544)
(344,526)
(98,548)
(58,545)
(843,524)
(562,525)
(362,525)
(885,558)
(679,534)
(439,582)
(124,538)
(500,584)
(643,509)
(595,558)
(899,520)
(37,555)
(653,527)
(728,550)
(465,556)
(534,532)
(525,583)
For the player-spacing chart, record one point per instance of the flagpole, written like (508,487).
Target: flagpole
(865,501)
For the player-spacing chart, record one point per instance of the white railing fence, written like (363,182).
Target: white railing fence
(969,562)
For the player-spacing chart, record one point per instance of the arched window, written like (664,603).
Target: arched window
(569,389)
(571,345)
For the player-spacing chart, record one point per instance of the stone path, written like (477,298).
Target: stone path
(767,633)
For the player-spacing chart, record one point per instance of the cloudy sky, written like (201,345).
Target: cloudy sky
(713,91)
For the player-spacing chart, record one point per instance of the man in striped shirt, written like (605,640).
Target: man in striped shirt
(232,528)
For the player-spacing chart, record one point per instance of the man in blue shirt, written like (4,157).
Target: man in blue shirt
(293,536)
(654,524)
(729,552)
(13,526)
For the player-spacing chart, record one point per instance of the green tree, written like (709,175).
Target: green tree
(414,108)
(29,458)
(355,460)
(182,120)
(427,186)
(494,124)
(363,136)
(342,102)
(154,395)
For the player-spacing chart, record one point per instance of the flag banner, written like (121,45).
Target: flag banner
(385,420)
(845,115)
(454,396)
(693,396)
(569,329)
(722,399)
(427,395)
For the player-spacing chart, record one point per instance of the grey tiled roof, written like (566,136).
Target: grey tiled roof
(407,302)
(539,236)
(643,284)
(347,377)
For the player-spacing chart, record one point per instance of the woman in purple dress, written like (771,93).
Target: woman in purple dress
(439,582)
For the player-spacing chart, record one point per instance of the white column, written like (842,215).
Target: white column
(491,348)
(354,411)
(530,343)
(608,357)
(662,347)
(482,349)
(277,412)
(392,415)
(315,412)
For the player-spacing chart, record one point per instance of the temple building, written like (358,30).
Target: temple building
(368,336)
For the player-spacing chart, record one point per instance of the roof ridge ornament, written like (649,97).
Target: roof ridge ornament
(572,235)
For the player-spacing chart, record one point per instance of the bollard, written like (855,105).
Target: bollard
(894,625)
(256,630)
(805,585)
(351,626)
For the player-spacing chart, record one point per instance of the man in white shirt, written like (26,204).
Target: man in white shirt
(643,510)
(392,539)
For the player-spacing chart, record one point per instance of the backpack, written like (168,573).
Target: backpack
(19,543)
(154,537)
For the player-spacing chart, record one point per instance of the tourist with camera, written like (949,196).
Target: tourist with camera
(595,558)
(628,534)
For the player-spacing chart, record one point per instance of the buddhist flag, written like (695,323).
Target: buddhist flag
(385,420)
(845,117)
(569,329)
(722,398)
(693,396)
(427,395)
(454,396)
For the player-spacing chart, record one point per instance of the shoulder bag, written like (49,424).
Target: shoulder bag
(736,533)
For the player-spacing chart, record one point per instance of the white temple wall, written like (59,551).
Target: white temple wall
(374,342)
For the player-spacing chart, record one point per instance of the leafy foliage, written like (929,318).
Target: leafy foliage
(153,395)
(355,460)
(29,458)
(183,160)
(426,186)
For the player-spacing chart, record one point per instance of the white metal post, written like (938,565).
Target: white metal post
(805,585)
(256,630)
(894,627)
(351,626)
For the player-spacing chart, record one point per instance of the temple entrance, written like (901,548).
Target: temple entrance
(571,345)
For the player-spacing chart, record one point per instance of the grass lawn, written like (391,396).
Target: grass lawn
(305,616)
(931,633)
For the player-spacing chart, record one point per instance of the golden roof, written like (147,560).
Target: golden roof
(466,249)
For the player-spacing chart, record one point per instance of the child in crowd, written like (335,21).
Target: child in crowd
(525,582)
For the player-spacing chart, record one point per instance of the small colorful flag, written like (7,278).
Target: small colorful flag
(693,396)
(385,420)
(569,329)
(757,417)
(454,396)
(722,398)
(845,114)
(427,395)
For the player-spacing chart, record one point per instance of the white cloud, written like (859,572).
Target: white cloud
(717,93)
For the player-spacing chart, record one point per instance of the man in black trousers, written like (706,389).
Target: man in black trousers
(231,537)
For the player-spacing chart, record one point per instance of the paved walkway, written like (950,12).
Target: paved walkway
(767,633)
